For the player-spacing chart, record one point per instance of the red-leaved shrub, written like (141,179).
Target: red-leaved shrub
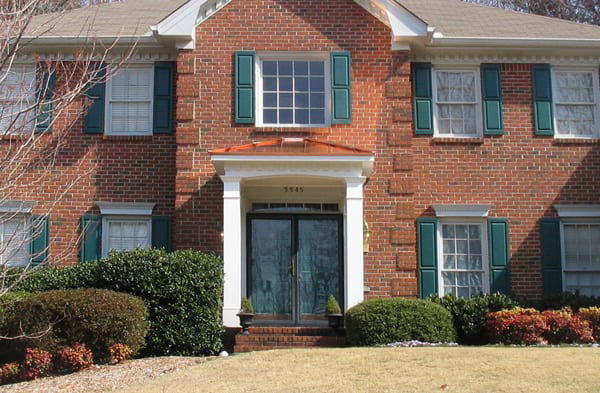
(74,358)
(38,363)
(120,352)
(9,373)
(564,327)
(517,326)
(592,316)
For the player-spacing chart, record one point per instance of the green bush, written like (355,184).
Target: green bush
(183,291)
(564,299)
(97,318)
(382,321)
(469,315)
(8,301)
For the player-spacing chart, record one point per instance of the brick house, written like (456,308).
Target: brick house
(366,148)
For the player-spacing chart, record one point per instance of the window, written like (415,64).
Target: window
(129,101)
(293,91)
(457,100)
(126,233)
(575,103)
(463,255)
(581,257)
(14,242)
(17,97)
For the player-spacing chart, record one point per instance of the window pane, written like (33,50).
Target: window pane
(130,116)
(286,100)
(132,84)
(302,100)
(270,84)
(302,116)
(449,262)
(462,262)
(317,100)
(449,247)
(17,96)
(286,116)
(127,235)
(448,231)
(317,116)
(317,84)
(270,100)
(285,68)
(301,68)
(286,84)
(270,116)
(317,68)
(301,84)
(14,247)
(269,68)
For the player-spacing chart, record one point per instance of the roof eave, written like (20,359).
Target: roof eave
(513,42)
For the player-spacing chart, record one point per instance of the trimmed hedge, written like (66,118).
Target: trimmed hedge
(8,301)
(382,321)
(469,315)
(183,291)
(97,318)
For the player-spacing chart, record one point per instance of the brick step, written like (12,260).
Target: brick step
(266,338)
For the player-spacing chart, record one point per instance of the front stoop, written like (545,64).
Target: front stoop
(265,338)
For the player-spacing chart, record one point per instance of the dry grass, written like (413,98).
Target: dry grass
(462,369)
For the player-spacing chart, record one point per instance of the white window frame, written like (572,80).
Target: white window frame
(26,227)
(108,219)
(485,258)
(108,100)
(563,251)
(24,68)
(594,71)
(298,56)
(478,109)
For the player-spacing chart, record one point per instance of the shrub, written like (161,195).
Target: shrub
(95,317)
(469,315)
(74,358)
(9,373)
(7,305)
(592,316)
(564,327)
(119,353)
(565,299)
(332,306)
(381,321)
(517,326)
(246,306)
(183,291)
(38,363)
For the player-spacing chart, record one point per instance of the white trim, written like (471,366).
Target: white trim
(595,104)
(477,103)
(485,258)
(106,220)
(16,206)
(126,208)
(462,210)
(291,56)
(147,67)
(578,210)
(563,252)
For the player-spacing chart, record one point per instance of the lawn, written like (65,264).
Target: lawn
(461,369)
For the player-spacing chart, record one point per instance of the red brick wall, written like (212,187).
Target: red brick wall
(89,168)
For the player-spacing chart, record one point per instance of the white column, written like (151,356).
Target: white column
(232,249)
(354,272)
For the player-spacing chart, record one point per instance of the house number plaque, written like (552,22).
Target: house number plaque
(294,189)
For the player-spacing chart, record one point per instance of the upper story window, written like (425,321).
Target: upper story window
(17,97)
(293,90)
(129,103)
(576,103)
(457,97)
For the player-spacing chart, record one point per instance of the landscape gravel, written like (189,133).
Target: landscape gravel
(105,378)
(417,343)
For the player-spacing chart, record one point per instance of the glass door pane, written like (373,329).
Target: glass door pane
(271,268)
(318,265)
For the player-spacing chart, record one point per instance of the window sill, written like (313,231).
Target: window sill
(576,141)
(127,137)
(450,140)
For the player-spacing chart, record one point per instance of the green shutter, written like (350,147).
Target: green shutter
(38,246)
(499,255)
(161,232)
(341,87)
(91,237)
(551,255)
(163,97)
(542,100)
(45,94)
(423,105)
(94,118)
(427,247)
(244,87)
(492,99)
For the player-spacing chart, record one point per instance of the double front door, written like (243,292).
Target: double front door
(295,262)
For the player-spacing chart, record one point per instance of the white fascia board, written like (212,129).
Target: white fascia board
(16,206)
(438,40)
(578,211)
(181,24)
(125,208)
(403,23)
(462,210)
